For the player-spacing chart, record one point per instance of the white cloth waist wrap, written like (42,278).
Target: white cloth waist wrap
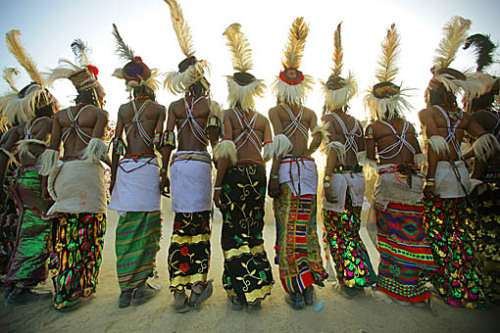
(339,183)
(389,189)
(137,186)
(301,174)
(77,187)
(447,184)
(191,182)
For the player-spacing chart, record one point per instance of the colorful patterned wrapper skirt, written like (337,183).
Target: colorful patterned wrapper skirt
(487,244)
(78,241)
(405,256)
(299,253)
(189,252)
(8,229)
(352,263)
(247,273)
(137,242)
(28,265)
(449,229)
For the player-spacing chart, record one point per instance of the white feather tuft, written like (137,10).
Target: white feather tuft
(226,149)
(96,150)
(292,94)
(282,146)
(439,145)
(339,149)
(485,147)
(47,161)
(244,95)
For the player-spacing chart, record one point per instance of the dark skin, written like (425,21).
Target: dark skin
(232,130)
(92,121)
(434,123)
(335,134)
(384,137)
(40,130)
(151,119)
(186,141)
(280,120)
(488,122)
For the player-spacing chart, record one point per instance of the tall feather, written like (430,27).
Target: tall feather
(181,28)
(338,52)
(296,43)
(123,50)
(17,49)
(81,52)
(455,35)
(483,48)
(239,47)
(390,53)
(8,75)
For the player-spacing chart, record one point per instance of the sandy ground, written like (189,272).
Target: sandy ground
(361,315)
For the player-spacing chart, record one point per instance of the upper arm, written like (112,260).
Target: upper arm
(55,138)
(119,125)
(268,135)
(314,121)
(10,138)
(275,121)
(228,126)
(370,142)
(473,127)
(161,119)
(171,118)
(429,126)
(100,125)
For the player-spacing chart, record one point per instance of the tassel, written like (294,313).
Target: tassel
(96,151)
(282,146)
(485,147)
(23,146)
(47,161)
(339,149)
(268,151)
(420,160)
(226,149)
(439,145)
(323,130)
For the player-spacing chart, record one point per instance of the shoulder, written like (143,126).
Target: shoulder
(274,111)
(426,113)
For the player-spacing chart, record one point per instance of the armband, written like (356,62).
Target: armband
(168,139)
(157,139)
(118,146)
(213,121)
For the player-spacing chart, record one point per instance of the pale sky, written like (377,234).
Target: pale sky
(48,28)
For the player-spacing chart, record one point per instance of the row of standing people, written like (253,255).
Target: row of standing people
(414,236)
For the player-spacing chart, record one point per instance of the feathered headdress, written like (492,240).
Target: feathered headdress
(191,70)
(242,85)
(291,85)
(20,106)
(338,91)
(386,100)
(83,75)
(444,77)
(135,73)
(483,49)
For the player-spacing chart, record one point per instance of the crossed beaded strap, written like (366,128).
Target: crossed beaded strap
(248,131)
(451,138)
(75,127)
(295,123)
(137,114)
(196,129)
(399,144)
(350,141)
